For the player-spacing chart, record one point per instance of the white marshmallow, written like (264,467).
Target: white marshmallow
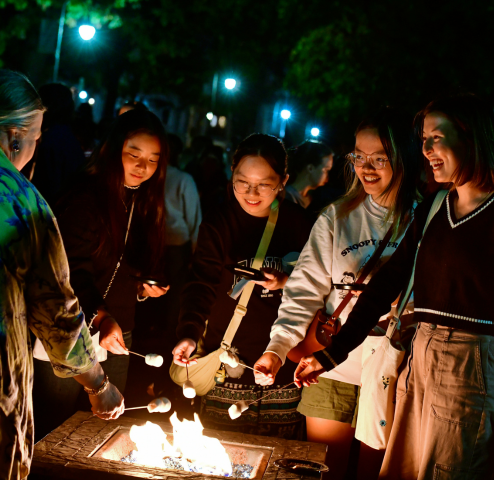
(229,358)
(237,409)
(189,390)
(154,360)
(234,411)
(159,405)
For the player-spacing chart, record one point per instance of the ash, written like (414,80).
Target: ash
(239,470)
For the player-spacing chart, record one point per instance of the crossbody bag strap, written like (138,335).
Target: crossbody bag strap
(436,205)
(118,263)
(241,308)
(369,266)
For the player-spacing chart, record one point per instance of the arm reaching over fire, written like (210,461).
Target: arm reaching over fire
(307,371)
(107,402)
(182,352)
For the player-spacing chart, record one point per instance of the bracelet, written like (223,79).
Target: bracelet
(141,299)
(98,391)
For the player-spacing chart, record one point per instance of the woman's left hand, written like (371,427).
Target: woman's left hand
(274,279)
(153,290)
(307,371)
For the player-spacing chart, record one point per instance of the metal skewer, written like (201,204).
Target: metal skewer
(271,392)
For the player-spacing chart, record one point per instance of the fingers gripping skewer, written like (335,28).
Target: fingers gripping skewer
(238,408)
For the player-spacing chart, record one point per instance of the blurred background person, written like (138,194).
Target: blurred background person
(308,167)
(34,288)
(59,155)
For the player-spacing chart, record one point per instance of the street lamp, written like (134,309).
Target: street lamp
(83,94)
(230,83)
(85,31)
(315,132)
(285,114)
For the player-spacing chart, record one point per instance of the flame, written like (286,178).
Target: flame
(188,442)
(201,450)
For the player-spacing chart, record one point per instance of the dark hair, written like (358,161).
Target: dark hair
(268,147)
(395,130)
(311,152)
(473,119)
(19,101)
(146,243)
(134,105)
(57,99)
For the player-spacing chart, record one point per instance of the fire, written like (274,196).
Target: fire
(190,446)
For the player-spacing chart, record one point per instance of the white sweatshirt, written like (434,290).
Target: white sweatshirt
(336,252)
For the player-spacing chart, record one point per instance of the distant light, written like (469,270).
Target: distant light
(91,101)
(209,116)
(83,95)
(222,122)
(315,132)
(286,114)
(214,121)
(230,83)
(87,32)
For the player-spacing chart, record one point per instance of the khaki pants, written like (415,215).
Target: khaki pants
(444,409)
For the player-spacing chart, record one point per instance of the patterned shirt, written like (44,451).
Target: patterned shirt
(34,292)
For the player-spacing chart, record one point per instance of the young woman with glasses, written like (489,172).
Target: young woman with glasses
(232,236)
(382,196)
(443,425)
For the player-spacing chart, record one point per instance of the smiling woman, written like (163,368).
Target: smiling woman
(115,215)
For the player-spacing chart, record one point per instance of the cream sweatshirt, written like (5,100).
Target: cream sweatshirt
(336,252)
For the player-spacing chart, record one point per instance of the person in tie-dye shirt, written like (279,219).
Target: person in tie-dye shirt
(35,292)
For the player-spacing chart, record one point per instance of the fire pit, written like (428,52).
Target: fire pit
(87,447)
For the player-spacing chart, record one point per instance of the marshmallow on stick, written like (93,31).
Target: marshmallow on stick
(229,358)
(237,409)
(154,360)
(189,390)
(159,405)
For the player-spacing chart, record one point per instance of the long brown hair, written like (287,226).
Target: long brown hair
(395,130)
(146,242)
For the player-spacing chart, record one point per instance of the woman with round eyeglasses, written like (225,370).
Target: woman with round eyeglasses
(444,417)
(232,236)
(382,196)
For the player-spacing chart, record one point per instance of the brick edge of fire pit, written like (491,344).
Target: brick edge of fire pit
(64,453)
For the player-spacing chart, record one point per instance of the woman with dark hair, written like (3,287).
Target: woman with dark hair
(382,196)
(308,167)
(232,236)
(443,424)
(113,226)
(35,292)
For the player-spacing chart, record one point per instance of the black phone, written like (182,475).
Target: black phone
(150,281)
(246,272)
(349,286)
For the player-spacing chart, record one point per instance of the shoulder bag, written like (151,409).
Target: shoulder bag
(203,374)
(324,326)
(381,359)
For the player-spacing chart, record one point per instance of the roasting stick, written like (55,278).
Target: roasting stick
(271,392)
(135,353)
(252,368)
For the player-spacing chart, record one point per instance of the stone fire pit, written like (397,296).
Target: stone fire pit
(87,448)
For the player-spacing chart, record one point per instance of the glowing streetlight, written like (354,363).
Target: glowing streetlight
(83,94)
(285,114)
(91,101)
(209,116)
(87,32)
(315,132)
(230,83)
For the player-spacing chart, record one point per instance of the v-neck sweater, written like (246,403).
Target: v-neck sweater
(452,282)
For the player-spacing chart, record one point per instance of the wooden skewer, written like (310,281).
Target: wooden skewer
(143,356)
(271,392)
(247,366)
(135,408)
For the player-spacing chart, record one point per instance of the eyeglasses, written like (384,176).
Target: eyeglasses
(244,187)
(360,160)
